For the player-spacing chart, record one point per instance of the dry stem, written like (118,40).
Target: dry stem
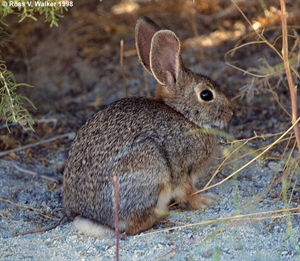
(251,161)
(71,134)
(116,216)
(292,86)
(122,67)
(29,171)
(272,214)
(44,229)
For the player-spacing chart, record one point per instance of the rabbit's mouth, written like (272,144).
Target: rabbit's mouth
(218,124)
(221,122)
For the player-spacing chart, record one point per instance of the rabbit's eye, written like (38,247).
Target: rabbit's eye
(206,95)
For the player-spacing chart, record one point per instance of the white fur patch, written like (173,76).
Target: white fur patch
(91,228)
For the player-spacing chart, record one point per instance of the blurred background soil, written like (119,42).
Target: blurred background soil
(75,67)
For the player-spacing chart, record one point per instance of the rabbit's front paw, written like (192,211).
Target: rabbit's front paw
(202,201)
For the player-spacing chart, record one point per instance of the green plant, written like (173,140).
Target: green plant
(11,103)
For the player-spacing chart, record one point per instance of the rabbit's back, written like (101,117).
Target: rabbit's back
(131,122)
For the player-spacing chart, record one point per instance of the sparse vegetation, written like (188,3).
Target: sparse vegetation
(12,107)
(286,71)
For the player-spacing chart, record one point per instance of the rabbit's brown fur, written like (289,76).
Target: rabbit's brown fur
(143,143)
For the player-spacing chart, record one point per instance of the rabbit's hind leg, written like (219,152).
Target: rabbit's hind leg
(137,225)
(148,218)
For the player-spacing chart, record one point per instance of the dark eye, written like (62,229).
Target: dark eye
(206,95)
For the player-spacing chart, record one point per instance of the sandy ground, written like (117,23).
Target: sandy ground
(239,227)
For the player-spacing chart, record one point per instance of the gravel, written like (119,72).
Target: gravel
(222,232)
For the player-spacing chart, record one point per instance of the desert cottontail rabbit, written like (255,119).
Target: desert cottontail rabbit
(143,143)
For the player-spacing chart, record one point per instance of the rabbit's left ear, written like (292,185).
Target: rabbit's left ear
(165,58)
(144,30)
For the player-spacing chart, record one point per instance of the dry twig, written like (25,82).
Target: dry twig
(29,171)
(272,214)
(25,207)
(116,216)
(292,86)
(250,162)
(122,67)
(42,229)
(37,143)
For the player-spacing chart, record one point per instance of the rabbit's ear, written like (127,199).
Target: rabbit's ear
(165,58)
(144,30)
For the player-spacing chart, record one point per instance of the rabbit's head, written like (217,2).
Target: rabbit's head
(195,96)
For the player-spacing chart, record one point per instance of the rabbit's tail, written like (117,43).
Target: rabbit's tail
(91,228)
